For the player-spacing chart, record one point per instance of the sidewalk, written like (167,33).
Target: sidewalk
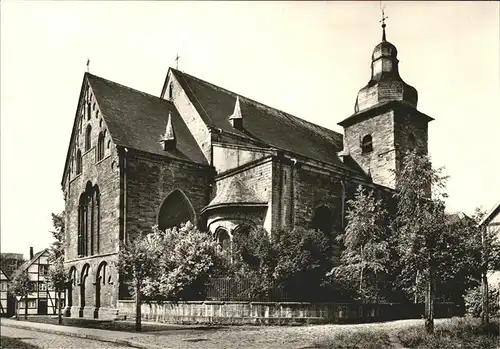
(119,337)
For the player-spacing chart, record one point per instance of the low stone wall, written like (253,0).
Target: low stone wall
(215,312)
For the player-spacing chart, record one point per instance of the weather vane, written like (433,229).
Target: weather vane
(384,17)
(88,64)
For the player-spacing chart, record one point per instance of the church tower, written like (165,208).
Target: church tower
(386,123)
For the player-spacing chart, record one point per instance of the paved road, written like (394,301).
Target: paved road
(15,338)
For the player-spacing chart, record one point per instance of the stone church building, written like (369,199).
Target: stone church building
(225,162)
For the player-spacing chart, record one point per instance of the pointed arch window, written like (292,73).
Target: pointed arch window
(88,134)
(100,146)
(366,144)
(78,162)
(175,210)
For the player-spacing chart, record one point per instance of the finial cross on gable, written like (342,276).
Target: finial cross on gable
(177,61)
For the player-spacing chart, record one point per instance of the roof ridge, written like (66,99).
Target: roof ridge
(149,95)
(257,102)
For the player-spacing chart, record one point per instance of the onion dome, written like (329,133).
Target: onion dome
(385,84)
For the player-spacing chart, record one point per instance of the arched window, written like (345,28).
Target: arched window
(78,162)
(88,111)
(366,144)
(175,210)
(89,221)
(323,219)
(170,90)
(88,134)
(100,146)
(224,240)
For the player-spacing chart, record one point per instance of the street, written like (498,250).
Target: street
(14,338)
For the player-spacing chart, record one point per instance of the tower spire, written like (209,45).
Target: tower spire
(168,139)
(237,117)
(384,17)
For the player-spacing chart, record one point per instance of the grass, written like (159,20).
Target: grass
(11,343)
(361,339)
(464,333)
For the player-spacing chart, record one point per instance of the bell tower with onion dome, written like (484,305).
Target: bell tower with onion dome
(386,123)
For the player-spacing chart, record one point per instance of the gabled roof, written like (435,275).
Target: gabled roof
(5,274)
(261,123)
(490,215)
(27,264)
(137,120)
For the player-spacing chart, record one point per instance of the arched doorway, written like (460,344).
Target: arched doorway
(71,286)
(175,210)
(83,281)
(99,282)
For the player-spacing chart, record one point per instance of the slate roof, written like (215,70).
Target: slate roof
(273,127)
(235,192)
(138,120)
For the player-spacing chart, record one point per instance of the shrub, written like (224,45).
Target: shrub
(453,333)
(473,302)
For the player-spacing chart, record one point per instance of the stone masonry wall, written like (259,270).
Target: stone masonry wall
(405,126)
(105,174)
(314,188)
(149,181)
(188,112)
(257,178)
(382,159)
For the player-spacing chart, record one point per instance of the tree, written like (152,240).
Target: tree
(421,225)
(187,260)
(303,259)
(137,260)
(57,277)
(488,243)
(57,246)
(58,281)
(366,248)
(254,259)
(20,286)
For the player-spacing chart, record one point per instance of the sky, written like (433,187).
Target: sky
(307,58)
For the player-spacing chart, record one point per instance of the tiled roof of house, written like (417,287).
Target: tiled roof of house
(491,214)
(27,264)
(260,122)
(138,120)
(4,274)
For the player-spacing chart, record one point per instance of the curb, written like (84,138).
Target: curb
(132,344)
